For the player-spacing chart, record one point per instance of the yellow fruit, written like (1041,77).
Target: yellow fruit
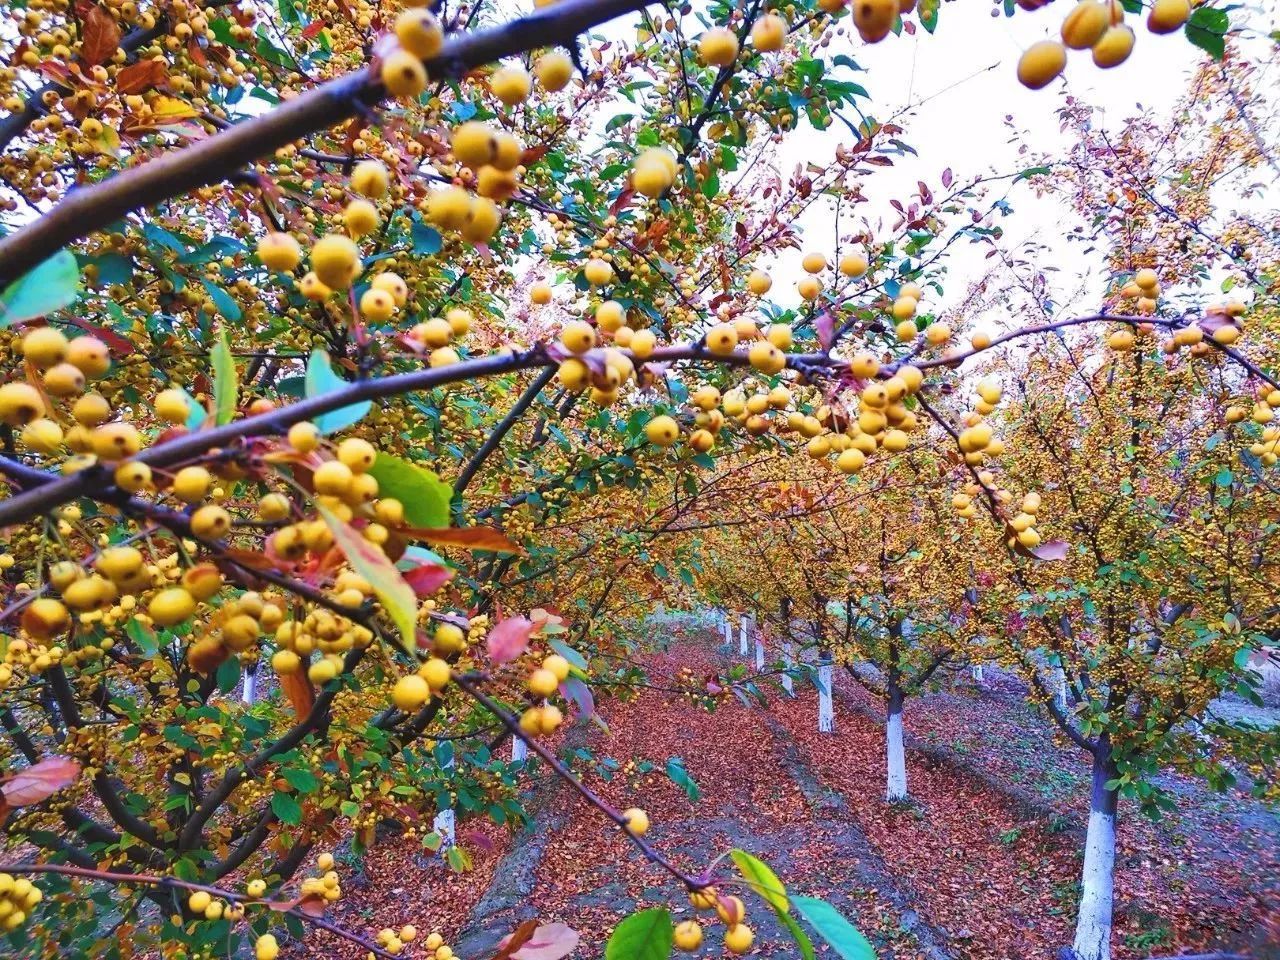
(313,288)
(42,435)
(404,76)
(1226,335)
(266,948)
(173,406)
(653,172)
(199,901)
(574,375)
(851,460)
(937,333)
(1041,63)
(377,306)
(419,32)
(89,355)
(598,272)
(558,665)
(44,347)
(335,259)
(578,336)
(853,265)
(483,220)
(90,410)
(304,436)
(780,335)
(171,606)
(256,888)
(738,938)
(360,217)
(371,179)
(769,33)
(63,380)
(436,672)
(473,144)
(1114,47)
(874,18)
(358,455)
(718,47)
(1147,279)
(553,70)
(722,339)
(904,308)
(332,478)
(864,365)
(279,252)
(191,484)
(1166,16)
(662,431)
(116,441)
(610,315)
(210,521)
(393,284)
(759,282)
(1120,340)
(285,662)
(766,358)
(637,821)
(542,683)
(809,288)
(410,693)
(688,935)
(511,85)
(1085,24)
(730,910)
(700,441)
(814,263)
(19,403)
(133,477)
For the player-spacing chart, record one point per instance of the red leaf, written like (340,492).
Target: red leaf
(141,76)
(622,200)
(473,538)
(120,346)
(549,941)
(39,781)
(101,37)
(313,29)
(825,326)
(428,578)
(516,940)
(1051,550)
(312,906)
(508,639)
(297,687)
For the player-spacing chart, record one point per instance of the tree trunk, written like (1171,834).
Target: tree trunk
(826,707)
(896,791)
(249,689)
(728,630)
(759,653)
(788,661)
(1093,924)
(744,631)
(519,750)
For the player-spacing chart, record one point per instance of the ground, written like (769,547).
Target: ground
(981,865)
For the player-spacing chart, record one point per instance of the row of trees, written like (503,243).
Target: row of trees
(409,408)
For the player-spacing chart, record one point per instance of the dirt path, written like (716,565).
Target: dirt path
(964,873)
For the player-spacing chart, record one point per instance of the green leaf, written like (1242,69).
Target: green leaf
(834,929)
(223,302)
(225,384)
(286,809)
(368,560)
(320,380)
(1208,41)
(761,879)
(1213,19)
(798,935)
(228,674)
(49,287)
(304,781)
(426,239)
(573,656)
(196,414)
(424,495)
(646,935)
(680,777)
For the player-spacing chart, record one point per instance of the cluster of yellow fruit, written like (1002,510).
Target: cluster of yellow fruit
(731,911)
(1267,449)
(606,377)
(439,333)
(18,897)
(412,692)
(1096,25)
(64,366)
(977,440)
(542,683)
(394,941)
(204,905)
(654,171)
(851,265)
(490,163)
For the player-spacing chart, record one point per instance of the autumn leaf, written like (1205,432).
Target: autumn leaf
(427,578)
(1051,550)
(141,76)
(38,782)
(297,687)
(368,560)
(101,36)
(471,538)
(549,941)
(509,638)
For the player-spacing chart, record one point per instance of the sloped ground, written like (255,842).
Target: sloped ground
(963,872)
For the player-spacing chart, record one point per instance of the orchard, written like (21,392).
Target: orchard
(468,448)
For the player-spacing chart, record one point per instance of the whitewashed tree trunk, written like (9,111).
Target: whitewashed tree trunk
(728,630)
(1093,924)
(788,661)
(519,750)
(977,673)
(446,821)
(826,706)
(249,684)
(744,631)
(896,790)
(1060,688)
(759,653)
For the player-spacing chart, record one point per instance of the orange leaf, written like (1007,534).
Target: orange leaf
(39,781)
(472,538)
(101,36)
(297,688)
(141,76)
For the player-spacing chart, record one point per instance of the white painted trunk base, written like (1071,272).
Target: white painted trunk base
(446,821)
(759,654)
(728,630)
(519,750)
(249,688)
(977,673)
(788,660)
(1060,688)
(826,708)
(743,632)
(1093,925)
(897,757)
